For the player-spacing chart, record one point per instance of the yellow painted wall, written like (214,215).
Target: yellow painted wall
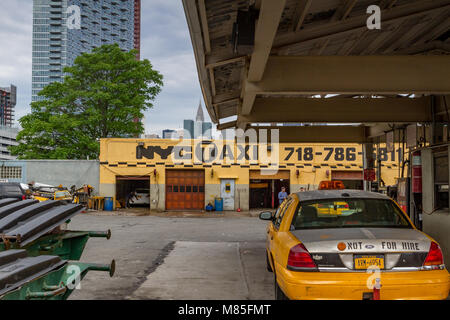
(315,162)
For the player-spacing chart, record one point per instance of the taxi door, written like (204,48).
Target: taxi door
(270,227)
(275,225)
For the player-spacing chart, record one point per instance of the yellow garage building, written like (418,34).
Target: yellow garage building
(189,174)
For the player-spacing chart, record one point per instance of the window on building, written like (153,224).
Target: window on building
(441,178)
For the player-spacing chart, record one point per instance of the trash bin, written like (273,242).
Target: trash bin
(109,204)
(218,203)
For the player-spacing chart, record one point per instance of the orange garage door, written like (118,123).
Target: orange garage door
(185,189)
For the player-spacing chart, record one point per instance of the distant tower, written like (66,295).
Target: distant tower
(198,129)
(200,117)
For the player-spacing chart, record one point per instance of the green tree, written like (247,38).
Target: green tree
(102,95)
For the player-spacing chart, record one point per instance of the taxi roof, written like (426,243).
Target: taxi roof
(336,194)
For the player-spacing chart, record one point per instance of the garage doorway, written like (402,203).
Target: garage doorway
(351,179)
(139,184)
(185,189)
(264,189)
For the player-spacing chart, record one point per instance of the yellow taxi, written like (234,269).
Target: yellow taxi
(372,252)
(332,209)
(60,195)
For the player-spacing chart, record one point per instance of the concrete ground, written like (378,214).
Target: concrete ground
(178,256)
(182,256)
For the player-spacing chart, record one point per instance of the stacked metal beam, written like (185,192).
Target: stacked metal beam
(25,221)
(42,277)
(34,250)
(17,268)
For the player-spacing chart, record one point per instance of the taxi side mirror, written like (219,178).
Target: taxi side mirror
(266,215)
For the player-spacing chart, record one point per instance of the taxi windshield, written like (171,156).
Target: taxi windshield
(349,213)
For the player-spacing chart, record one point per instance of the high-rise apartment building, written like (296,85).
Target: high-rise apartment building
(63,29)
(8,134)
(8,98)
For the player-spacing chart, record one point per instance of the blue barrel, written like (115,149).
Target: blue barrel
(218,203)
(109,204)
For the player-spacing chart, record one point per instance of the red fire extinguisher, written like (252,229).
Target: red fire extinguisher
(416,175)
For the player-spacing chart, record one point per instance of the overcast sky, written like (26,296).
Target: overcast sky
(165,42)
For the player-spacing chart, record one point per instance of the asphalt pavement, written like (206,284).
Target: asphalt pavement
(178,257)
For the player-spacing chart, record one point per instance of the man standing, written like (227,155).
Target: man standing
(282,195)
(129,199)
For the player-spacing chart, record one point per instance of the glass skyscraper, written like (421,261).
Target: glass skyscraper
(63,29)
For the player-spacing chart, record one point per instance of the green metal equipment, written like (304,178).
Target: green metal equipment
(68,245)
(42,278)
(36,227)
(39,260)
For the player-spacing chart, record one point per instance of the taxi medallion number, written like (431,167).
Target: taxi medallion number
(363,262)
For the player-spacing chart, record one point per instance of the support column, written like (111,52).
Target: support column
(368,162)
(427,180)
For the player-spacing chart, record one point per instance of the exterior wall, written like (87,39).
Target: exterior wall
(147,157)
(8,137)
(437,224)
(56,172)
(157,197)
(211,192)
(241,179)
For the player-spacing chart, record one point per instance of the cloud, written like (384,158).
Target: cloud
(167,44)
(15,55)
